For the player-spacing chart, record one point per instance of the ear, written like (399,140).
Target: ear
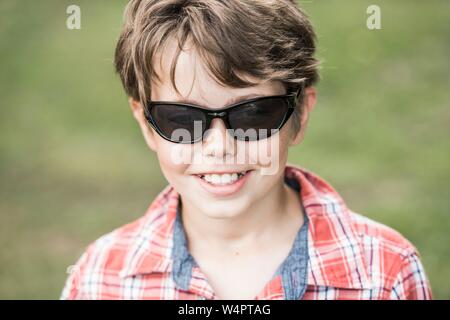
(147,131)
(309,101)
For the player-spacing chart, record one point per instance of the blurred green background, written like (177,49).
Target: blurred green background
(73,164)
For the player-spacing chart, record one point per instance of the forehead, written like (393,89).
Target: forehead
(194,81)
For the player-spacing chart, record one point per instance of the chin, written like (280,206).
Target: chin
(223,215)
(224,210)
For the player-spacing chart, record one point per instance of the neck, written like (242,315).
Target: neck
(259,224)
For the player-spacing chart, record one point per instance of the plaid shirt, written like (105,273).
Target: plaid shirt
(338,254)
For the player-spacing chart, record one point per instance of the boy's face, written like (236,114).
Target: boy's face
(182,164)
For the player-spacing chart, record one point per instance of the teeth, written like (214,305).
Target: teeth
(222,178)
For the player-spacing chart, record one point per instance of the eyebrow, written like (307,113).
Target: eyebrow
(229,102)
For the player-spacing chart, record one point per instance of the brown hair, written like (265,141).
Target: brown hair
(265,39)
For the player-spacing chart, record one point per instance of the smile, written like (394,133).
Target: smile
(222,179)
(223,184)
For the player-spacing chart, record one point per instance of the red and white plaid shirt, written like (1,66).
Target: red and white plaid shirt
(349,256)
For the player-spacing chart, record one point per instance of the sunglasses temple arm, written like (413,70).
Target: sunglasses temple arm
(300,93)
(301,90)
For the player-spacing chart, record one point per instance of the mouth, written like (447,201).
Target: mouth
(222,178)
(222,184)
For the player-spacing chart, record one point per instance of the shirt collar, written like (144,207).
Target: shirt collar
(334,250)
(293,270)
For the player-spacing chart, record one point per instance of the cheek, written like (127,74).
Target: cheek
(269,154)
(171,159)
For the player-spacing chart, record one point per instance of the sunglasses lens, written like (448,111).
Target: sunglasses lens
(178,123)
(255,120)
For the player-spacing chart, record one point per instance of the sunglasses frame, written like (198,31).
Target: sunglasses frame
(291,98)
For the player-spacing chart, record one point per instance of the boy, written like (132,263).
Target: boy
(214,86)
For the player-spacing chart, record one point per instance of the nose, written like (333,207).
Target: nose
(218,143)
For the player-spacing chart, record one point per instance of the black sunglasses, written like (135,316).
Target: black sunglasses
(248,120)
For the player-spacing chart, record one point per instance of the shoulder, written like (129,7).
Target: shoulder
(392,261)
(114,246)
(371,231)
(99,267)
(109,250)
(104,257)
(347,245)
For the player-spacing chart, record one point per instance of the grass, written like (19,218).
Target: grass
(73,165)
